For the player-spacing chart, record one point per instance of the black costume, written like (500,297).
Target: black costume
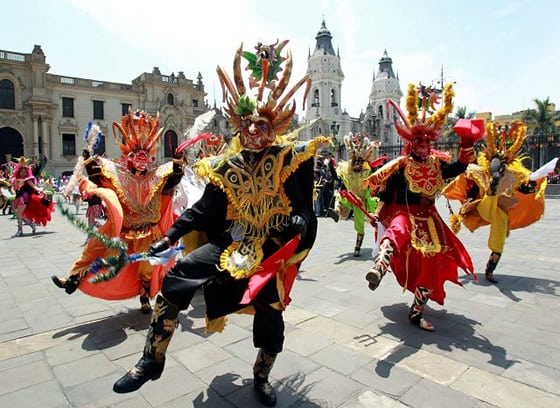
(258,199)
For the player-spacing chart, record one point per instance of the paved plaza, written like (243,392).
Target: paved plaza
(346,346)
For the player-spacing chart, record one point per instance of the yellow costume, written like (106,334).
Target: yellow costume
(497,191)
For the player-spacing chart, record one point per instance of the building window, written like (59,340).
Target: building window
(124,108)
(7,95)
(170,143)
(99,148)
(67,107)
(316,103)
(170,99)
(68,144)
(333,98)
(195,103)
(98,110)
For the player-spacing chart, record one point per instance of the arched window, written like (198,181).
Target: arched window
(333,98)
(7,95)
(170,143)
(380,111)
(315,99)
(170,99)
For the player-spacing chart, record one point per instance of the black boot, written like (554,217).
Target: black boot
(491,266)
(333,214)
(358,247)
(415,315)
(150,366)
(69,285)
(261,371)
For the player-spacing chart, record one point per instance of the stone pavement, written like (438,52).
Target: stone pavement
(348,347)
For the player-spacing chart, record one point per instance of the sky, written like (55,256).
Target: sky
(500,54)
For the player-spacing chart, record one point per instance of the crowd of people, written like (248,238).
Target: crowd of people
(246,212)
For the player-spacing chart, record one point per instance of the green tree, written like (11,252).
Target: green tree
(542,119)
(449,135)
(541,122)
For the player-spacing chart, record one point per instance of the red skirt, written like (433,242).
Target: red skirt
(427,253)
(39,209)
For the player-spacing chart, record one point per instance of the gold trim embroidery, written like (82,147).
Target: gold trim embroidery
(424,240)
(424,177)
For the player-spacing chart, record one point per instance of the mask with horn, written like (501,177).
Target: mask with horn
(423,123)
(137,139)
(258,120)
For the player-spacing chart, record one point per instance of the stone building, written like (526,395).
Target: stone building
(325,113)
(42,113)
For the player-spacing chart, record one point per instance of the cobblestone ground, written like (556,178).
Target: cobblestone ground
(495,345)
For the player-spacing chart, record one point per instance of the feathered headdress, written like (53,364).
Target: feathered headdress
(138,131)
(202,145)
(423,118)
(22,163)
(359,146)
(91,138)
(265,64)
(504,141)
(200,142)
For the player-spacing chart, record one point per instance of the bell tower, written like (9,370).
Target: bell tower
(378,123)
(324,98)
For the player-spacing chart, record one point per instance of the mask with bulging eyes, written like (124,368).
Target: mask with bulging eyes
(256,133)
(140,160)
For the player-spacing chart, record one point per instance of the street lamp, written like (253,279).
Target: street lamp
(334,132)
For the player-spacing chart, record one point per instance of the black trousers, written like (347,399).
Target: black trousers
(199,268)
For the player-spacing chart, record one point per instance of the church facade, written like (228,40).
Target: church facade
(325,113)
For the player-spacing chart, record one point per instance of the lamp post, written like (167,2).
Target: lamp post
(334,132)
(540,147)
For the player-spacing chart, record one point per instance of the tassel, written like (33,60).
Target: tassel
(455,221)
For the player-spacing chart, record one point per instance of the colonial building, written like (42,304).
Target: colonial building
(42,113)
(325,113)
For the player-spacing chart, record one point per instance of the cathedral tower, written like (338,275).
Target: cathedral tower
(324,99)
(377,123)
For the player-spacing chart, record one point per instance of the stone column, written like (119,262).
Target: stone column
(35,136)
(45,141)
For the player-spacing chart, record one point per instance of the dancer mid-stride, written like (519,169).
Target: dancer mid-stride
(137,196)
(30,204)
(499,191)
(352,173)
(257,213)
(417,246)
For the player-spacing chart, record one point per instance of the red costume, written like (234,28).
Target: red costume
(417,246)
(30,204)
(137,197)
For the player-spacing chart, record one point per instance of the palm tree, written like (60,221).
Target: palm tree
(541,121)
(449,135)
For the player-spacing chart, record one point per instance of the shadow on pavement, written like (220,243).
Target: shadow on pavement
(453,332)
(107,332)
(365,255)
(290,392)
(509,284)
(26,235)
